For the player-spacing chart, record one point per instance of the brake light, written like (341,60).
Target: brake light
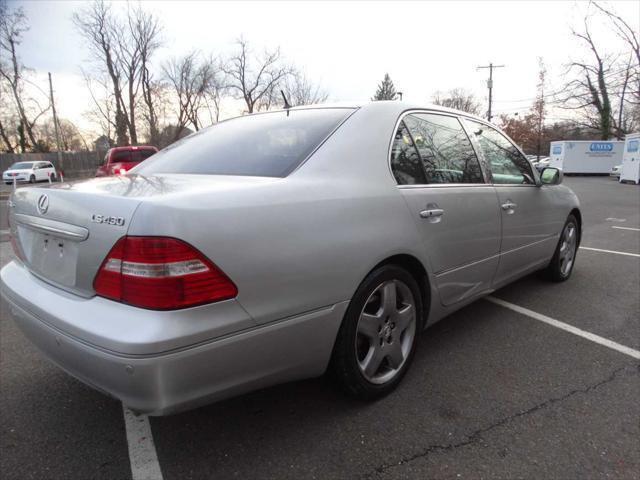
(161,273)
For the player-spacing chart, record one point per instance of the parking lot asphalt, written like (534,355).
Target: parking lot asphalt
(491,394)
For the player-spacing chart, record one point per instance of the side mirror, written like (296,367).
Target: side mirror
(551,176)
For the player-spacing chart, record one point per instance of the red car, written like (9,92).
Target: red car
(119,160)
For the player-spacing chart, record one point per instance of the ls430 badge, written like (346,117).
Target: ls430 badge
(109,220)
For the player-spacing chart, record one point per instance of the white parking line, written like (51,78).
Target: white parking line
(568,328)
(626,228)
(610,251)
(142,450)
(613,219)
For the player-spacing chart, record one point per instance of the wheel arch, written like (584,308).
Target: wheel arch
(415,267)
(576,213)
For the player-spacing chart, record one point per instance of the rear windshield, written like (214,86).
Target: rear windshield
(132,156)
(21,166)
(268,145)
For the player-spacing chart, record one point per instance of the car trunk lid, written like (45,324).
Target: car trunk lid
(65,242)
(63,234)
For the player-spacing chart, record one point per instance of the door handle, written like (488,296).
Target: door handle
(434,212)
(509,205)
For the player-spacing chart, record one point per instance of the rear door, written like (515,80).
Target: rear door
(40,171)
(530,224)
(454,207)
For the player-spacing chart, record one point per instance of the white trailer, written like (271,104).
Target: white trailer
(586,156)
(631,159)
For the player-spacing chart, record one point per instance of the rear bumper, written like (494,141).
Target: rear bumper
(182,378)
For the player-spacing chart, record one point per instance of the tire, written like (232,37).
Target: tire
(377,332)
(53,177)
(32,179)
(563,261)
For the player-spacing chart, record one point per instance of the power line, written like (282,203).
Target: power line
(491,66)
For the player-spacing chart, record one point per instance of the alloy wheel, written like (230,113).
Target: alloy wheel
(568,246)
(386,331)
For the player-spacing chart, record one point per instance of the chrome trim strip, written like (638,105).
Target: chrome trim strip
(444,185)
(499,254)
(52,227)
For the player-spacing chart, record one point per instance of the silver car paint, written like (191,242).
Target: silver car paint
(296,247)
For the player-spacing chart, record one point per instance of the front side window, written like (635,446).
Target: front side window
(508,165)
(269,144)
(405,162)
(446,152)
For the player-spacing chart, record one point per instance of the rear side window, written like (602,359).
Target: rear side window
(132,156)
(508,165)
(405,161)
(267,145)
(445,150)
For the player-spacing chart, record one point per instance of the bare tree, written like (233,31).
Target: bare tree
(253,77)
(300,90)
(13,23)
(589,91)
(216,90)
(146,31)
(101,112)
(605,86)
(122,49)
(539,106)
(630,36)
(98,26)
(458,99)
(190,79)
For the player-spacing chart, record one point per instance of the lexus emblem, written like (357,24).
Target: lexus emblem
(43,204)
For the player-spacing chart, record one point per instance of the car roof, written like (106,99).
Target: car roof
(27,161)
(390,106)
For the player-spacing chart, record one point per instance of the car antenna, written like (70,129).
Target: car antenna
(287,105)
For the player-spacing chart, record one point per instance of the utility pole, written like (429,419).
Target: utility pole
(55,124)
(491,66)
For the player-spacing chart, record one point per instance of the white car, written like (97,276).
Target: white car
(616,171)
(31,172)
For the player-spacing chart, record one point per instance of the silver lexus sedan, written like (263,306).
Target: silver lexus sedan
(280,245)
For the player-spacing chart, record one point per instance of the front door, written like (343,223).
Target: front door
(530,224)
(455,209)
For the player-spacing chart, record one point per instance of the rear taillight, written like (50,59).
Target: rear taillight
(161,273)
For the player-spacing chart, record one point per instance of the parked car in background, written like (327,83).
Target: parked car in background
(616,171)
(272,247)
(542,163)
(31,172)
(120,160)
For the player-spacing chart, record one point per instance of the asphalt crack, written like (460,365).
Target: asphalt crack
(477,434)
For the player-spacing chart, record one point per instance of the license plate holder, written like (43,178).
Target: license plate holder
(54,258)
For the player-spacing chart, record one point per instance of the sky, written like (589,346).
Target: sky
(347,46)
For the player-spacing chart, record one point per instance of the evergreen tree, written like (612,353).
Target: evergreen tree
(386,90)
